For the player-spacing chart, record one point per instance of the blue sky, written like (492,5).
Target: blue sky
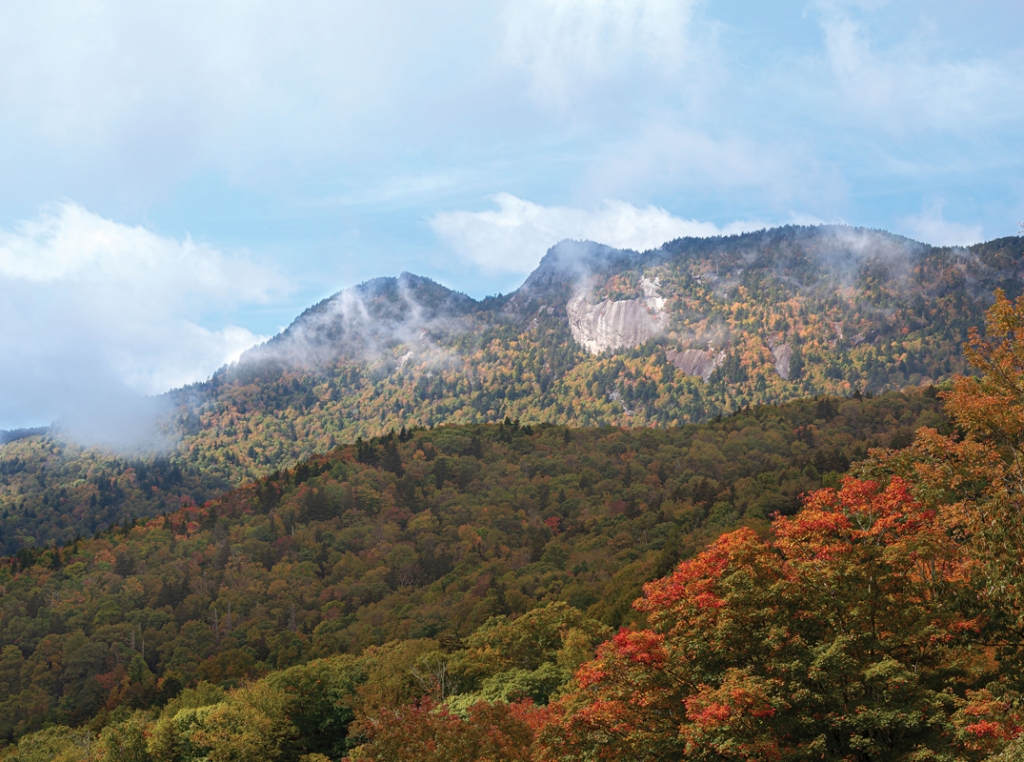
(183,178)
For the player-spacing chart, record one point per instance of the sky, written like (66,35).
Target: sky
(181,179)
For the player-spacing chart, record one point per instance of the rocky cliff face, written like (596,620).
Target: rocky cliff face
(613,324)
(696,362)
(783,355)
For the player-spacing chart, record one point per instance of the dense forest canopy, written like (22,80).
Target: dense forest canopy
(424,535)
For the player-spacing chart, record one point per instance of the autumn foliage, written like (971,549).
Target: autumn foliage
(838,636)
(882,621)
(425,732)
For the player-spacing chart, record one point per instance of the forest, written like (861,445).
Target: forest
(249,628)
(420,535)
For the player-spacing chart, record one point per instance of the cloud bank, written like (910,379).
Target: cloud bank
(97,315)
(316,123)
(514,237)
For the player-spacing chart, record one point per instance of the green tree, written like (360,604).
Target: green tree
(252,725)
(125,741)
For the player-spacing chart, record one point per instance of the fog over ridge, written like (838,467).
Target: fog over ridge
(410,322)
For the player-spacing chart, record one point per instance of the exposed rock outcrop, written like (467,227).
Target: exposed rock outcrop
(612,324)
(652,296)
(783,354)
(696,362)
(837,329)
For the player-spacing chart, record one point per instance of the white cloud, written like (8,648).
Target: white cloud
(911,85)
(153,91)
(564,45)
(97,314)
(68,243)
(931,227)
(514,237)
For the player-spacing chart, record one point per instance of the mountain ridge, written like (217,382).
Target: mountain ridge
(726,322)
(567,267)
(571,273)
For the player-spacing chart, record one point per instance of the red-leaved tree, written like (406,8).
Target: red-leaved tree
(847,634)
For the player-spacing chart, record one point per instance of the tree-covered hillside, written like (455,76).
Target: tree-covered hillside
(423,535)
(696,329)
(839,310)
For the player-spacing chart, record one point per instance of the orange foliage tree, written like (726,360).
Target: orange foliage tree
(990,409)
(975,480)
(841,636)
(426,732)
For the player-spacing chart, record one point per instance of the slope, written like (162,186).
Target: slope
(422,535)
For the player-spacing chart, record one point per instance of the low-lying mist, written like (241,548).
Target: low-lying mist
(97,317)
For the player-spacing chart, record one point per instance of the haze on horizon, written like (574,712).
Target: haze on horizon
(183,179)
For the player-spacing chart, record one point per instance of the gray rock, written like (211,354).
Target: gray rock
(783,354)
(613,324)
(696,362)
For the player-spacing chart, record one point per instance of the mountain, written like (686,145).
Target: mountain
(595,336)
(453,592)
(361,322)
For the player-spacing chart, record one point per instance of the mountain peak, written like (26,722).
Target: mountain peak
(406,316)
(360,321)
(569,261)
